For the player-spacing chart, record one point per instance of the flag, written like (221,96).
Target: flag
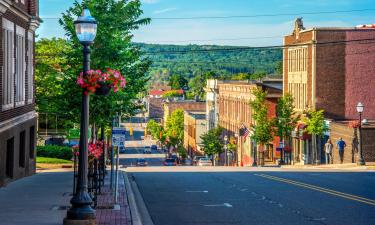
(244,132)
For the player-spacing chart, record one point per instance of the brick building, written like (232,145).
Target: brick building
(171,105)
(194,127)
(155,101)
(19,20)
(331,69)
(234,111)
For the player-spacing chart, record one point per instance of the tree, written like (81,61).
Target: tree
(316,127)
(286,119)
(279,67)
(175,127)
(198,83)
(177,81)
(212,142)
(263,127)
(113,49)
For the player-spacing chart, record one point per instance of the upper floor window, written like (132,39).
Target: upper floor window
(8,65)
(20,66)
(297,59)
(30,67)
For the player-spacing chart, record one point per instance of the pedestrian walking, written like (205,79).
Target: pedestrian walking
(328,149)
(341,146)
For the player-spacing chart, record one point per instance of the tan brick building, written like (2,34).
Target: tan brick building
(331,69)
(171,105)
(194,127)
(234,111)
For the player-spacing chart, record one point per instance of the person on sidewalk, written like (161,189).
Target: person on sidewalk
(328,149)
(341,146)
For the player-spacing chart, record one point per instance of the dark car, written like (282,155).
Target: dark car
(122,149)
(154,147)
(170,162)
(141,162)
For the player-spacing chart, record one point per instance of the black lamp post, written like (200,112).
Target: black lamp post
(226,150)
(81,210)
(361,161)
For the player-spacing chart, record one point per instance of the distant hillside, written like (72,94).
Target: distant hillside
(196,59)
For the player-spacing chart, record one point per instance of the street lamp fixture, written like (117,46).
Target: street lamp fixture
(81,210)
(360,107)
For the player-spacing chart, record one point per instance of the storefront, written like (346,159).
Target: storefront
(301,152)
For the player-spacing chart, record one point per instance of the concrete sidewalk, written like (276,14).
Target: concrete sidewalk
(43,199)
(345,166)
(36,200)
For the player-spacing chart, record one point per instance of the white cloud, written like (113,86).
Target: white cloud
(160,11)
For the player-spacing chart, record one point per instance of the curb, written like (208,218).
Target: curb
(138,209)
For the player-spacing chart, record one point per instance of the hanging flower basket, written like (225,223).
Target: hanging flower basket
(103,89)
(101,83)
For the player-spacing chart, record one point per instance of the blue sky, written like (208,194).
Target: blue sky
(255,31)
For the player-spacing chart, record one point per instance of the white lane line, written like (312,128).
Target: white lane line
(220,205)
(196,191)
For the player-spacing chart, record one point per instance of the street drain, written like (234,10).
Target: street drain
(59,207)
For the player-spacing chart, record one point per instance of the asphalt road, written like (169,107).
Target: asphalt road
(244,198)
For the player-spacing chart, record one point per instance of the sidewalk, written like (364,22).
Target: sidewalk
(43,199)
(344,166)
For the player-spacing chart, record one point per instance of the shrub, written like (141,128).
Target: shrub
(54,151)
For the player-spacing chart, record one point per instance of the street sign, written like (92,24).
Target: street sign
(118,136)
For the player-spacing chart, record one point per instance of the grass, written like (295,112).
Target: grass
(46,160)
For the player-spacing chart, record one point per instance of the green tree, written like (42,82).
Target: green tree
(286,119)
(316,127)
(263,127)
(113,49)
(177,81)
(212,142)
(175,127)
(198,83)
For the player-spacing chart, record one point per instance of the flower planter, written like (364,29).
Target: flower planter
(103,90)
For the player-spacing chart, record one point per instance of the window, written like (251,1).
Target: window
(20,66)
(9,158)
(8,65)
(30,67)
(32,142)
(21,161)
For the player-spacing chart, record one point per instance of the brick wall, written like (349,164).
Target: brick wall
(330,74)
(360,73)
(155,107)
(368,144)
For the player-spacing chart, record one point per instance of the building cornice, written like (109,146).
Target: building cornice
(5,125)
(4,6)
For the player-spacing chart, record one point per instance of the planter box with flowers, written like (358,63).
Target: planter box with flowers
(95,150)
(101,83)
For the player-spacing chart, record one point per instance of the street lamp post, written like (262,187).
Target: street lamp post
(361,161)
(81,210)
(226,150)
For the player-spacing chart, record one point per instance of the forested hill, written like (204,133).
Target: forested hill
(191,60)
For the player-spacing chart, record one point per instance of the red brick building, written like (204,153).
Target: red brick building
(234,111)
(331,69)
(19,20)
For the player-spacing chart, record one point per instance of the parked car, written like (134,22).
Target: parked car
(147,150)
(204,162)
(170,162)
(141,162)
(187,162)
(196,159)
(154,147)
(122,149)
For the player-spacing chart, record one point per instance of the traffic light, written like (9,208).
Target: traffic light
(145,131)
(131,131)
(161,134)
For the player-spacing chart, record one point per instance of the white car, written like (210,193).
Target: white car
(204,162)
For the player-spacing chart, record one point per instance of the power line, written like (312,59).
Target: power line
(222,39)
(247,16)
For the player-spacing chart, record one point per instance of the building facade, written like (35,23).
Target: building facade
(170,105)
(235,112)
(19,20)
(194,128)
(330,69)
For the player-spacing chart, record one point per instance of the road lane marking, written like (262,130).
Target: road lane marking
(321,189)
(220,205)
(197,191)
